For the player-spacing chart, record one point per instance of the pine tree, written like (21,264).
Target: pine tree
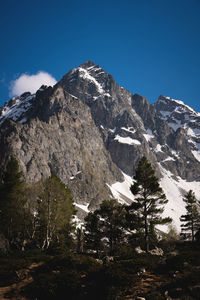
(113,223)
(191,220)
(93,233)
(12,204)
(149,201)
(105,227)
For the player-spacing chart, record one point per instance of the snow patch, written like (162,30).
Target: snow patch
(196,154)
(165,114)
(190,132)
(72,177)
(129,129)
(107,95)
(196,131)
(78,222)
(158,148)
(174,153)
(112,130)
(176,125)
(83,207)
(121,190)
(149,135)
(126,140)
(168,159)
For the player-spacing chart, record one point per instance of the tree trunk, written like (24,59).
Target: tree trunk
(146,234)
(192,230)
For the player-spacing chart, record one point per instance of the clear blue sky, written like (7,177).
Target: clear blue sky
(151,47)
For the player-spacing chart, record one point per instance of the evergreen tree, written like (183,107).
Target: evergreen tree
(191,220)
(113,223)
(134,226)
(197,236)
(149,201)
(12,204)
(93,233)
(105,227)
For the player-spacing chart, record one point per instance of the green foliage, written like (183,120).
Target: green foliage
(82,277)
(53,285)
(70,275)
(191,220)
(185,273)
(113,222)
(93,233)
(37,215)
(53,215)
(12,205)
(16,260)
(106,224)
(149,202)
(138,261)
(170,239)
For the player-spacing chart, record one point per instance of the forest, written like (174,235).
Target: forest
(117,253)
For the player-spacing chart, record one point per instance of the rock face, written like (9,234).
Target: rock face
(60,137)
(111,107)
(91,133)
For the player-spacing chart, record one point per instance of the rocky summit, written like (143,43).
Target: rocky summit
(91,132)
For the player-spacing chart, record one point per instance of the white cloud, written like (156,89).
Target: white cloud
(30,83)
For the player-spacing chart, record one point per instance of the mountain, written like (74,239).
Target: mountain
(92,133)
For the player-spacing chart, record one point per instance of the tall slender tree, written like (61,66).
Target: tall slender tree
(54,212)
(149,200)
(191,220)
(12,204)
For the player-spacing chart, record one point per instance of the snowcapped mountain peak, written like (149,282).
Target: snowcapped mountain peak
(90,77)
(91,74)
(87,122)
(87,64)
(92,70)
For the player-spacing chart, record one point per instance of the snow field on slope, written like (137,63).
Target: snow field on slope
(120,189)
(173,189)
